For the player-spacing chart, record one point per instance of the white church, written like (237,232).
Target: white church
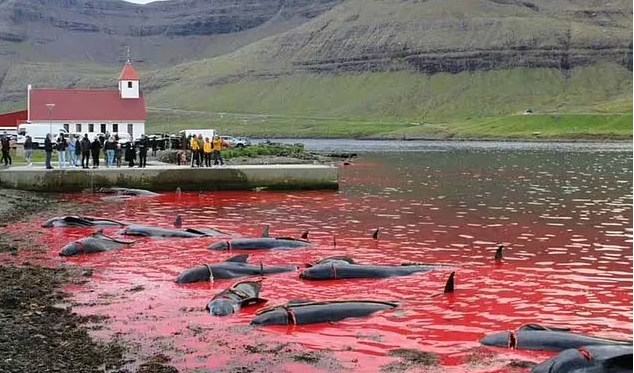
(92,111)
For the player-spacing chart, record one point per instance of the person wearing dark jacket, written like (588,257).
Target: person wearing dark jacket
(85,151)
(48,148)
(28,150)
(143,146)
(62,148)
(6,149)
(77,149)
(95,149)
(130,153)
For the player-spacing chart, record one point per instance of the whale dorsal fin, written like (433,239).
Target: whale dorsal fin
(499,253)
(178,222)
(375,235)
(304,236)
(238,258)
(451,282)
(265,232)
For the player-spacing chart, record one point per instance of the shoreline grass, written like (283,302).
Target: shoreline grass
(538,127)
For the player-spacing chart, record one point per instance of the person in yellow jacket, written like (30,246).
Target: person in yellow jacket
(216,146)
(207,152)
(193,144)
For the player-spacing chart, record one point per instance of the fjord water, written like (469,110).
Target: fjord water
(565,215)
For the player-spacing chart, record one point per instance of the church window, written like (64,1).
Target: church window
(78,127)
(91,127)
(66,127)
(130,129)
(103,128)
(115,127)
(129,84)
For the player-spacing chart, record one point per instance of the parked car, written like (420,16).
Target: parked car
(236,142)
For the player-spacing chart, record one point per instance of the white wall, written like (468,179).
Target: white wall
(138,128)
(126,92)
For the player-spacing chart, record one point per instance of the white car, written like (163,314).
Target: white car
(236,142)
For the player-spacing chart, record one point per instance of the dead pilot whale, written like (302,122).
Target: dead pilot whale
(232,299)
(308,312)
(96,243)
(233,267)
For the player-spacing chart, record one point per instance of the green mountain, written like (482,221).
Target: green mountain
(363,67)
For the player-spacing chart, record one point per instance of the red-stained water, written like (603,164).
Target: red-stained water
(567,221)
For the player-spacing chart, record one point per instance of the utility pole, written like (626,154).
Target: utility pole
(50,118)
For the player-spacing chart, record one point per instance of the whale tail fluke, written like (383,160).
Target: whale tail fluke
(499,254)
(304,235)
(451,282)
(265,232)
(375,235)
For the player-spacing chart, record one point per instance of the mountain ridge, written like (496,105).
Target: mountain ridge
(303,41)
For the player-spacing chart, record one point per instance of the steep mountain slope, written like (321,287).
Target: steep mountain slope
(159,32)
(443,36)
(453,58)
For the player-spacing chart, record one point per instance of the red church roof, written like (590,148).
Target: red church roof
(128,72)
(85,105)
(12,119)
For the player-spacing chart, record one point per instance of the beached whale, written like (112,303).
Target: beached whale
(96,243)
(260,243)
(535,337)
(232,299)
(589,359)
(341,267)
(309,312)
(80,221)
(127,192)
(148,231)
(233,267)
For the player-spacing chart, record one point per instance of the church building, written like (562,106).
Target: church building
(92,111)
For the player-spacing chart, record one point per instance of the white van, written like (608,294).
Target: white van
(38,132)
(206,133)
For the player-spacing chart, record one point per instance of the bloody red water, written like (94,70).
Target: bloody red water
(568,263)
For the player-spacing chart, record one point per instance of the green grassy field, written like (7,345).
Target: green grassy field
(538,126)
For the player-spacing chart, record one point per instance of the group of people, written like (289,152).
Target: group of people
(73,149)
(204,150)
(78,151)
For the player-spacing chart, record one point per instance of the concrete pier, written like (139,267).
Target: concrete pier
(165,177)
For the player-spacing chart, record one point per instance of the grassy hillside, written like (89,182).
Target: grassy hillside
(407,95)
(479,104)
